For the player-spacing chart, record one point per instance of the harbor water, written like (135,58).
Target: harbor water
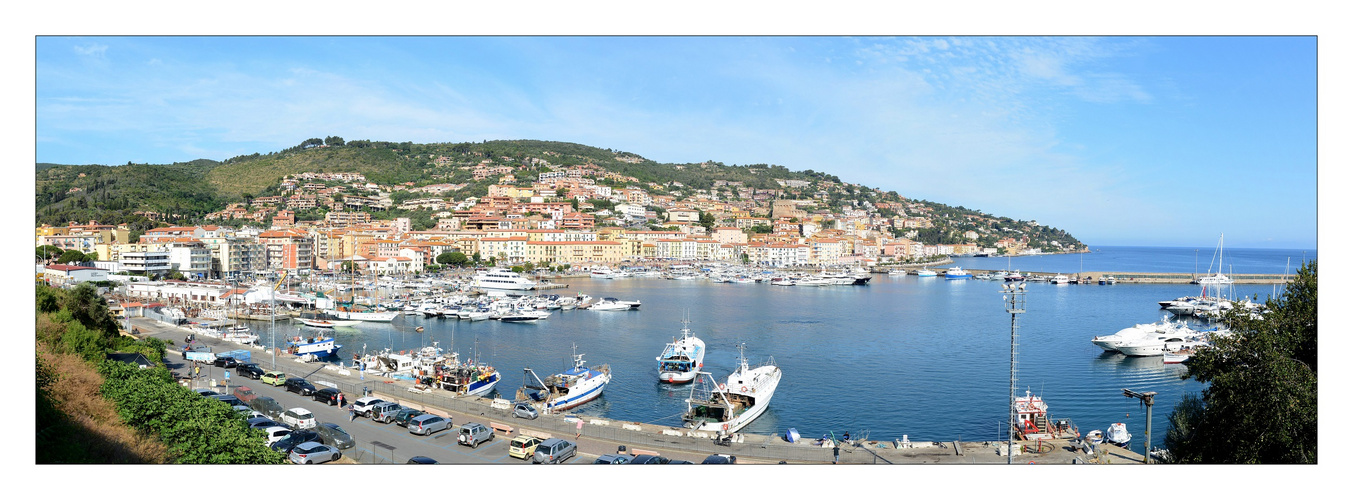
(921,357)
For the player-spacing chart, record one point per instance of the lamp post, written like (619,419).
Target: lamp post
(272,317)
(1013,296)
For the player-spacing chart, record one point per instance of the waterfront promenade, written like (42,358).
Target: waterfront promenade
(601,436)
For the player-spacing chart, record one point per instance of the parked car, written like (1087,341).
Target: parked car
(248,413)
(314,453)
(718,458)
(554,451)
(249,370)
(650,459)
(262,423)
(333,435)
(363,405)
(245,394)
(421,460)
(274,378)
(526,411)
(428,424)
(473,433)
(402,418)
(226,362)
(327,395)
(228,399)
(267,406)
(299,418)
(275,433)
(296,437)
(522,447)
(384,412)
(299,386)
(612,459)
(206,392)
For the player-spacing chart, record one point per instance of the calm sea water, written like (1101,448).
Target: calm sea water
(921,357)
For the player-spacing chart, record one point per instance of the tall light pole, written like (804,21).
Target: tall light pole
(1013,296)
(272,316)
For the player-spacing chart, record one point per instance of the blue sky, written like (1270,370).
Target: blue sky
(1158,141)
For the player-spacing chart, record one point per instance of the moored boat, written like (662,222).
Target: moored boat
(728,407)
(319,347)
(568,389)
(957,273)
(681,360)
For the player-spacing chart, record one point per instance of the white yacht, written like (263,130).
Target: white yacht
(728,407)
(614,304)
(502,279)
(1139,333)
(568,389)
(1061,279)
(681,360)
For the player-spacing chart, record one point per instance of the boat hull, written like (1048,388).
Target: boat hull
(574,401)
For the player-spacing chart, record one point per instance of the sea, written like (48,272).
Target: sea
(923,358)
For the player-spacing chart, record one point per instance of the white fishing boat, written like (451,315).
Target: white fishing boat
(728,407)
(320,347)
(568,389)
(502,279)
(469,378)
(681,360)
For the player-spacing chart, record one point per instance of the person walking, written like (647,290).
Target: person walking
(836,453)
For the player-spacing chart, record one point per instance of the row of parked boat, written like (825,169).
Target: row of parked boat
(1176,341)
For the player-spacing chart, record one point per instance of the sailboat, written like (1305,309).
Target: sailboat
(343,313)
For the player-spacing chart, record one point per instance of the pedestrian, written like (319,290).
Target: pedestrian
(836,453)
(340,400)
(352,413)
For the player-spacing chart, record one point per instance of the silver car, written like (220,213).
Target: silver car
(314,453)
(526,411)
(428,424)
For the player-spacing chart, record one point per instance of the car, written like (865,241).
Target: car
(228,399)
(719,458)
(473,433)
(226,362)
(523,447)
(249,370)
(275,433)
(428,424)
(262,423)
(245,394)
(299,386)
(421,460)
(402,418)
(327,395)
(296,437)
(267,406)
(333,435)
(274,378)
(206,392)
(650,459)
(612,459)
(314,453)
(299,418)
(554,451)
(687,462)
(384,412)
(248,413)
(363,405)
(526,411)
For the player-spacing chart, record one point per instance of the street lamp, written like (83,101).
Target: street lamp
(272,316)
(1013,296)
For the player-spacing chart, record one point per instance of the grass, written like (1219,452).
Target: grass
(88,429)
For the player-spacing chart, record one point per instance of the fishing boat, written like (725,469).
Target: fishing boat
(464,379)
(568,389)
(681,360)
(319,347)
(957,273)
(728,407)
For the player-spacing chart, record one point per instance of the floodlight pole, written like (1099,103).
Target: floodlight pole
(1013,296)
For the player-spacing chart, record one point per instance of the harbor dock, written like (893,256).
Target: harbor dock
(1090,277)
(598,435)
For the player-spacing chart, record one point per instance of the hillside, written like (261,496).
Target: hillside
(188,191)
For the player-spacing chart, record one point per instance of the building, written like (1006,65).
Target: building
(61,275)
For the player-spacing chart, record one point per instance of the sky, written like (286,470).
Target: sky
(1146,141)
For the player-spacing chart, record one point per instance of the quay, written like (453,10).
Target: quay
(596,436)
(1092,277)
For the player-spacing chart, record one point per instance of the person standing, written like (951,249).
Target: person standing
(836,453)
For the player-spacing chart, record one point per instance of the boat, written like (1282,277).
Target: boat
(1117,434)
(614,304)
(359,316)
(502,279)
(464,379)
(1060,279)
(1140,334)
(1094,436)
(926,273)
(957,273)
(681,360)
(1014,276)
(568,389)
(320,347)
(523,316)
(728,407)
(323,323)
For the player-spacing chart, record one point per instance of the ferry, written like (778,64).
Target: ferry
(728,407)
(502,279)
(568,389)
(681,360)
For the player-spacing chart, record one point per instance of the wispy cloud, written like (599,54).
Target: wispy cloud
(92,50)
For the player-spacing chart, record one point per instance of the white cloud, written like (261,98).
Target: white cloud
(94,49)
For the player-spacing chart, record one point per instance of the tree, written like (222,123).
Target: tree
(71,256)
(1260,404)
(333,140)
(49,252)
(457,259)
(707,220)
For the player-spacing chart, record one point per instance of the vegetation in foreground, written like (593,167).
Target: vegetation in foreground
(1260,405)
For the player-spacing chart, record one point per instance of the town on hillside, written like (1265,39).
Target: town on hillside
(564,218)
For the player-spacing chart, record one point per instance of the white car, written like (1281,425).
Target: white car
(363,406)
(299,418)
(275,433)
